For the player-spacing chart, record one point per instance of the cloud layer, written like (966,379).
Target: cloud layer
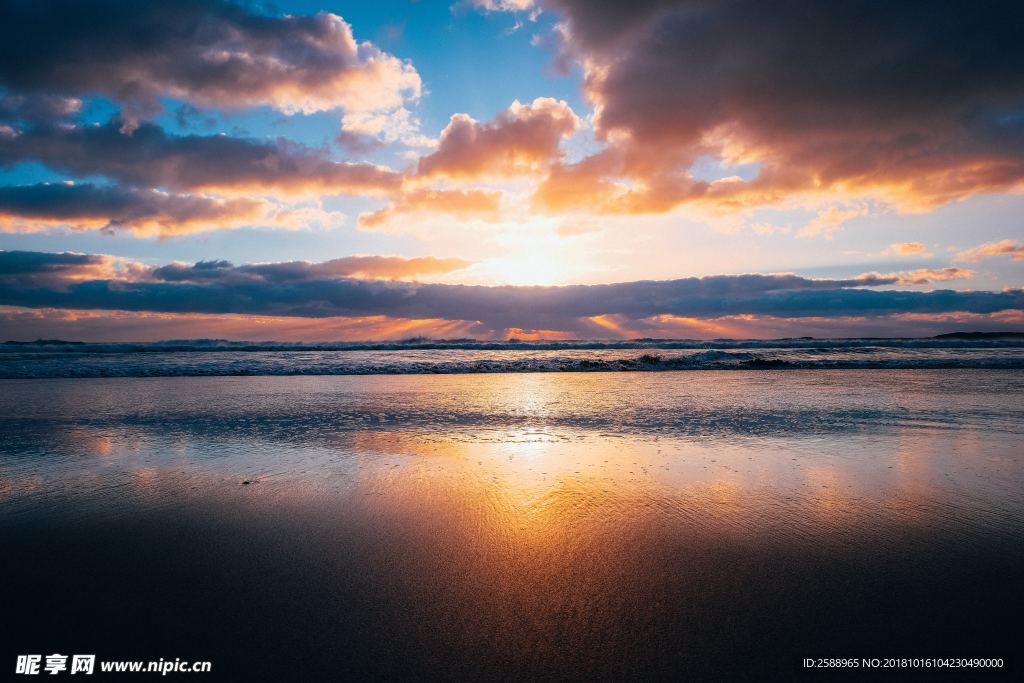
(31,279)
(917,103)
(363,267)
(43,269)
(27,208)
(151,157)
(832,109)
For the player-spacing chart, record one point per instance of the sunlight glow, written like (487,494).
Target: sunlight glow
(532,254)
(535,268)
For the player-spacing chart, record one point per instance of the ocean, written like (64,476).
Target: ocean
(707,524)
(189,358)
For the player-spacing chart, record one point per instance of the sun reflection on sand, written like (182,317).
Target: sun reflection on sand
(529,488)
(536,520)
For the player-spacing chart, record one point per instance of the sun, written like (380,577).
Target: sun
(532,253)
(535,268)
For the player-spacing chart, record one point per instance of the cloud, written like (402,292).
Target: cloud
(364,267)
(29,208)
(317,294)
(151,157)
(520,140)
(853,97)
(205,52)
(923,276)
(829,221)
(1013,248)
(37,108)
(907,249)
(503,5)
(140,326)
(28,324)
(31,268)
(358,144)
(461,203)
(42,269)
(775,327)
(399,125)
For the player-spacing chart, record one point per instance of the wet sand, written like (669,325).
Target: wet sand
(559,526)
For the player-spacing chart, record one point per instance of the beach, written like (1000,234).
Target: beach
(594,525)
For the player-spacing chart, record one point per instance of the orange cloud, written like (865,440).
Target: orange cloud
(391,267)
(537,335)
(675,326)
(126,326)
(618,180)
(1013,248)
(520,140)
(462,203)
(921,276)
(907,249)
(776,327)
(122,326)
(829,221)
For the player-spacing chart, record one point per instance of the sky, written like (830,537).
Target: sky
(312,171)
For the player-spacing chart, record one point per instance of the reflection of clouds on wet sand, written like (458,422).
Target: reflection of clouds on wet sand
(515,447)
(548,524)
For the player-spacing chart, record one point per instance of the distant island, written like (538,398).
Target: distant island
(980,335)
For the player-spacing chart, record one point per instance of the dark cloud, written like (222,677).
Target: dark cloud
(200,271)
(31,207)
(28,269)
(358,144)
(279,291)
(32,267)
(187,116)
(151,157)
(18,263)
(37,108)
(205,52)
(922,100)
